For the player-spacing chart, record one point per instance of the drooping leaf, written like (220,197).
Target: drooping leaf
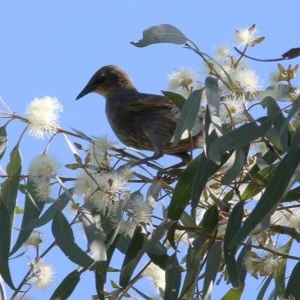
(211,268)
(173,278)
(188,116)
(196,251)
(178,99)
(8,196)
(67,286)
(205,169)
(240,158)
(280,274)
(5,239)
(183,190)
(293,286)
(210,219)
(275,191)
(64,238)
(213,103)
(280,124)
(234,293)
(3,140)
(93,232)
(234,223)
(164,33)
(241,136)
(133,255)
(33,208)
(49,214)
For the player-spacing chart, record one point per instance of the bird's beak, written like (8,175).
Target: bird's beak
(87,89)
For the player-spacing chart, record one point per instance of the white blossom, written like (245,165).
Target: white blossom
(43,275)
(43,116)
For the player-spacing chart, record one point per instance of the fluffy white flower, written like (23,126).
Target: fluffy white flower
(156,274)
(41,169)
(231,109)
(140,211)
(245,36)
(181,79)
(43,166)
(43,116)
(43,275)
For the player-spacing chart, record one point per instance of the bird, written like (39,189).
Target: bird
(140,120)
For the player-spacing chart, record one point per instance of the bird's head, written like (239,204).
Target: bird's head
(107,80)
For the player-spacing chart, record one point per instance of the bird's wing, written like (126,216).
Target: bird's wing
(141,101)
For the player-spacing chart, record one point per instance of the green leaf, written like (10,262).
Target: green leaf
(280,274)
(240,157)
(188,115)
(234,294)
(234,223)
(280,124)
(194,260)
(287,172)
(212,268)
(210,219)
(49,214)
(33,208)
(133,255)
(5,239)
(9,188)
(258,182)
(213,102)
(173,278)
(293,286)
(205,169)
(67,286)
(177,99)
(3,140)
(164,33)
(64,238)
(8,196)
(93,232)
(183,190)
(241,136)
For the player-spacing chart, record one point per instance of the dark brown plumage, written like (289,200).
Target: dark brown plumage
(143,121)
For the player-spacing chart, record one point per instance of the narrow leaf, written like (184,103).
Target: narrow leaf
(183,190)
(194,260)
(188,115)
(64,237)
(213,102)
(164,33)
(275,191)
(234,223)
(239,160)
(133,255)
(67,286)
(33,208)
(241,136)
(210,219)
(173,278)
(212,268)
(49,214)
(178,99)
(93,232)
(5,238)
(293,286)
(3,140)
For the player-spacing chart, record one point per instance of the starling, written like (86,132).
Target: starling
(142,121)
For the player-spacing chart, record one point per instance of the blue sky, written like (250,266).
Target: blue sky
(53,47)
